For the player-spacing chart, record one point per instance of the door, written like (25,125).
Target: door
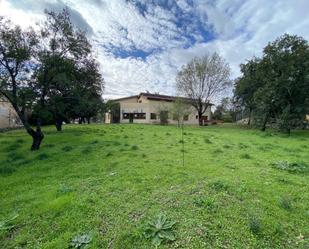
(131,117)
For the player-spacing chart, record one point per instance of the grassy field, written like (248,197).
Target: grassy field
(107,181)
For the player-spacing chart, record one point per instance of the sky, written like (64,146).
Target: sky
(141,45)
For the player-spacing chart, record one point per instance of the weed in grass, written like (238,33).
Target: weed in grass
(125,136)
(80,241)
(255,225)
(94,142)
(159,230)
(126,144)
(226,146)
(144,155)
(7,170)
(13,157)
(181,141)
(13,147)
(8,223)
(279,230)
(285,203)
(42,156)
(67,148)
(64,189)
(134,147)
(20,141)
(167,134)
(245,156)
(116,143)
(49,145)
(217,151)
(291,167)
(219,186)
(86,150)
(208,203)
(207,141)
(109,154)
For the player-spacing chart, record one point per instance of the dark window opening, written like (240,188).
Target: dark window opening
(139,115)
(153,116)
(125,115)
(186,117)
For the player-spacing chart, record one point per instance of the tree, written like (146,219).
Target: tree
(247,85)
(202,79)
(65,56)
(276,86)
(180,109)
(17,50)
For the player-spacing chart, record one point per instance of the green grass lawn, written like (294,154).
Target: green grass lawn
(108,180)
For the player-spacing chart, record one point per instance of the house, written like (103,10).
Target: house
(8,116)
(145,108)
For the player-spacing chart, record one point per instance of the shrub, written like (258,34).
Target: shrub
(160,229)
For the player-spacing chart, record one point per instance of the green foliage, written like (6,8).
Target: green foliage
(255,225)
(275,88)
(7,224)
(291,167)
(80,241)
(159,230)
(285,202)
(67,148)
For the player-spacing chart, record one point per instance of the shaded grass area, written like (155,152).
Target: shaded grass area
(106,181)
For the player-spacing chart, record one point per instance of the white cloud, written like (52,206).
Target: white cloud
(241,29)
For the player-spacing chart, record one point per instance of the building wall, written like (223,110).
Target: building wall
(144,105)
(8,116)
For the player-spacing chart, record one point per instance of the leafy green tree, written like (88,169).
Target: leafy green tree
(17,50)
(276,86)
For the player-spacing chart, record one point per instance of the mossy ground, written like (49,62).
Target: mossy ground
(107,180)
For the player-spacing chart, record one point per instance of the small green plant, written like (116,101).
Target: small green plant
(94,142)
(134,147)
(64,189)
(208,203)
(226,146)
(285,203)
(7,224)
(43,156)
(67,148)
(245,156)
(7,170)
(208,141)
(219,186)
(159,230)
(80,241)
(291,167)
(255,225)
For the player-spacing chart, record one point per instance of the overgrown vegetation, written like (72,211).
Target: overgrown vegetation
(108,190)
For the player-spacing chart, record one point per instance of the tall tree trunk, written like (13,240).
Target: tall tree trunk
(200,120)
(59,124)
(37,137)
(88,120)
(265,122)
(250,114)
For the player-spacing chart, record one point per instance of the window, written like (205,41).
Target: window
(196,116)
(153,116)
(139,115)
(125,116)
(185,117)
